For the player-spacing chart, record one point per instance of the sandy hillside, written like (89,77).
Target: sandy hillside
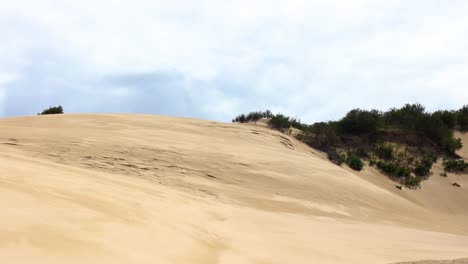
(152,189)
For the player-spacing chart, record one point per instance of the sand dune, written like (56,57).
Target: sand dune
(153,189)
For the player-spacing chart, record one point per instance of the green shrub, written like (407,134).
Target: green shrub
(457,166)
(384,151)
(423,168)
(462,118)
(280,122)
(52,110)
(359,121)
(409,116)
(362,153)
(321,136)
(252,116)
(354,162)
(393,169)
(335,157)
(412,182)
(448,117)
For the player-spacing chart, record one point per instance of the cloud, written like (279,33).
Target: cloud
(211,59)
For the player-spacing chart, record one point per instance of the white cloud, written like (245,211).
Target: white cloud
(314,59)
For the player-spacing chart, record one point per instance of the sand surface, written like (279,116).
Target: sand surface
(152,189)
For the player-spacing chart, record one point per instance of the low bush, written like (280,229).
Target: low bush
(280,122)
(252,116)
(423,168)
(457,166)
(412,182)
(384,151)
(354,162)
(335,157)
(52,110)
(394,169)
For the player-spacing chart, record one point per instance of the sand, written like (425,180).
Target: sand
(153,189)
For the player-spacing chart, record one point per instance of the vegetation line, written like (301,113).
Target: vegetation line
(403,142)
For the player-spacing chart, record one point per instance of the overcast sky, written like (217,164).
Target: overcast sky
(214,59)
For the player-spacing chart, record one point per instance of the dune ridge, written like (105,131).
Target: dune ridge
(154,189)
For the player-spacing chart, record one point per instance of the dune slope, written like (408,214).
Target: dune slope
(153,189)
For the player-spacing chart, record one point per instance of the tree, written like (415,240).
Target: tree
(359,121)
(52,110)
(280,121)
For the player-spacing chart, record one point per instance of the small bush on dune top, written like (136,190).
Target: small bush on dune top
(280,122)
(252,116)
(52,110)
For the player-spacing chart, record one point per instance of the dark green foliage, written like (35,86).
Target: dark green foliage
(394,169)
(384,151)
(423,168)
(320,135)
(335,157)
(410,126)
(444,174)
(456,185)
(448,117)
(52,110)
(296,123)
(408,117)
(252,116)
(362,153)
(462,118)
(359,121)
(280,121)
(354,162)
(412,182)
(457,166)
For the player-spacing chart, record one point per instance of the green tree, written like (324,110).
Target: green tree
(52,110)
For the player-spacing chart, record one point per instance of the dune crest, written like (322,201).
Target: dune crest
(154,189)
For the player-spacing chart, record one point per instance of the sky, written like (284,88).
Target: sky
(212,59)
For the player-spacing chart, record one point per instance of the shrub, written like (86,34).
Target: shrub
(321,136)
(462,117)
(52,110)
(362,153)
(423,168)
(458,166)
(252,116)
(384,151)
(354,162)
(280,122)
(412,182)
(448,117)
(408,117)
(296,123)
(359,121)
(335,157)
(393,169)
